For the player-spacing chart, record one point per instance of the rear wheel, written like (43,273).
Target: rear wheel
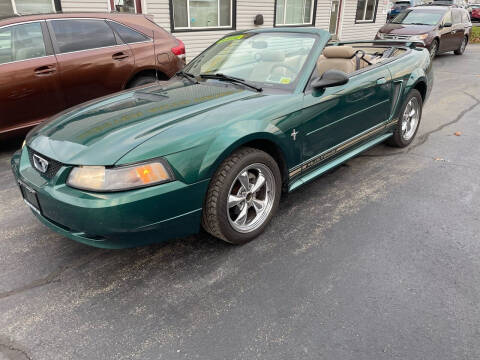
(141,80)
(243,196)
(462,47)
(409,120)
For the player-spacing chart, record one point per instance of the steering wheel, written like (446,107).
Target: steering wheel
(285,66)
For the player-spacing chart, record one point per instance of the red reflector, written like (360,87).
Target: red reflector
(179,49)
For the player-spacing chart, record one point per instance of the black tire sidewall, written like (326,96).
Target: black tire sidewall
(142,80)
(397,138)
(460,51)
(230,234)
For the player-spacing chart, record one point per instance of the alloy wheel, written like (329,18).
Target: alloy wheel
(251,197)
(433,50)
(410,119)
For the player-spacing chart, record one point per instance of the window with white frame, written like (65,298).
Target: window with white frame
(127,6)
(294,12)
(366,11)
(11,7)
(202,14)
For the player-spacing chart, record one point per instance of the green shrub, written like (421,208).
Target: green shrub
(475,35)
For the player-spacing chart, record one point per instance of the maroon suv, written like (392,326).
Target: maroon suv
(51,62)
(441,28)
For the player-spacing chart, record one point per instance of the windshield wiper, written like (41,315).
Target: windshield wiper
(188,76)
(223,77)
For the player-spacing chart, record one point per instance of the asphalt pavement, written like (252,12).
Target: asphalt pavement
(379,259)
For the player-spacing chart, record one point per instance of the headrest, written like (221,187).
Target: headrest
(342,52)
(272,55)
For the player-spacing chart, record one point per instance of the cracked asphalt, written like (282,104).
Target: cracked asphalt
(379,259)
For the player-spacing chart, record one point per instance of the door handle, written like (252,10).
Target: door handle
(381,81)
(119,56)
(45,70)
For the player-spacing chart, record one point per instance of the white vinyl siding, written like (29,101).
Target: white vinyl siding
(359,31)
(85,5)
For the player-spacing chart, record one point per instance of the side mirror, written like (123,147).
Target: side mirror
(447,24)
(330,78)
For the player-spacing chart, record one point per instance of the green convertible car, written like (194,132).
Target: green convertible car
(258,113)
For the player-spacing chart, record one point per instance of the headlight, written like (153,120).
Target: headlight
(102,179)
(381,35)
(418,37)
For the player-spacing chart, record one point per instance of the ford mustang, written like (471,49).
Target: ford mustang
(257,114)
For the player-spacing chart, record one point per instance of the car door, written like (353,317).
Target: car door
(339,114)
(458,31)
(29,83)
(92,61)
(446,33)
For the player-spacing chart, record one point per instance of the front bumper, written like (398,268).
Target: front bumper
(114,220)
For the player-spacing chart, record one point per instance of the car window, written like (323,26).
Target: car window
(21,42)
(76,35)
(128,35)
(457,17)
(448,18)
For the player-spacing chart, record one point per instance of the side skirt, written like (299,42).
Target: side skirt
(337,161)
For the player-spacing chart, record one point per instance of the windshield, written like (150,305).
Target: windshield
(400,5)
(418,18)
(272,59)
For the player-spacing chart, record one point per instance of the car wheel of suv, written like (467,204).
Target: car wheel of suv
(141,80)
(243,196)
(462,47)
(433,49)
(409,120)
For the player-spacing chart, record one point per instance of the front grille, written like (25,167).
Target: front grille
(396,37)
(53,165)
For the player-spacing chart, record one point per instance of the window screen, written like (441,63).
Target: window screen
(128,35)
(294,12)
(191,14)
(366,10)
(76,35)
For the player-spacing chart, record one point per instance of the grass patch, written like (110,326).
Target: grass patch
(475,35)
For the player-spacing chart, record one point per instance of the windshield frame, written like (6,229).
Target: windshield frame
(268,86)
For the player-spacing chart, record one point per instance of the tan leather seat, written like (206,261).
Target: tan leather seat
(340,58)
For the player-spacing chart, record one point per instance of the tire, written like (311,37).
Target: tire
(433,49)
(223,219)
(404,131)
(462,47)
(141,80)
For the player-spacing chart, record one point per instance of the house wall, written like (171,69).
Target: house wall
(197,41)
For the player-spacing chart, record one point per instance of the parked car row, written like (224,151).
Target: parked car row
(51,62)
(440,28)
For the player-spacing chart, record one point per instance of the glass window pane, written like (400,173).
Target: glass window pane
(126,6)
(370,10)
(203,13)
(294,12)
(6,54)
(180,14)
(360,9)
(279,12)
(128,35)
(308,11)
(34,6)
(75,35)
(6,8)
(21,42)
(225,11)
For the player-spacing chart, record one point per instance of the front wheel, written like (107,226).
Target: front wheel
(433,49)
(462,47)
(407,126)
(243,196)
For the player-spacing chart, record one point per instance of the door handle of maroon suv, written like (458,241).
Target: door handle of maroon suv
(119,56)
(45,70)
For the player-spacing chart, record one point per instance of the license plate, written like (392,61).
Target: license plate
(30,197)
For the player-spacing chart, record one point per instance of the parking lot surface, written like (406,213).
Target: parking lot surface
(379,259)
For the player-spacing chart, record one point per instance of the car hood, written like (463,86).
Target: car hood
(102,131)
(404,29)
